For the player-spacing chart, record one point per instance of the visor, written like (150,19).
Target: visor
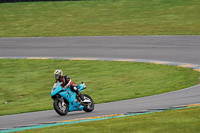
(56,76)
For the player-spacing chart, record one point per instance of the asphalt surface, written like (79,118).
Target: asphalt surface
(164,48)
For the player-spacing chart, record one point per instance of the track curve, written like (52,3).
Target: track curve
(165,48)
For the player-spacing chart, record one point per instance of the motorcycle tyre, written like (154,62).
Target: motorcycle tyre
(86,109)
(56,108)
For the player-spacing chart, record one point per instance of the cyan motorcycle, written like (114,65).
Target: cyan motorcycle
(65,100)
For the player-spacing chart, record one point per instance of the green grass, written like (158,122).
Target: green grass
(100,18)
(173,121)
(26,84)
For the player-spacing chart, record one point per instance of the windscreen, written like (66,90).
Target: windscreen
(55,85)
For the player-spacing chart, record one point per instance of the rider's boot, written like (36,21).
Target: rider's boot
(83,100)
(80,95)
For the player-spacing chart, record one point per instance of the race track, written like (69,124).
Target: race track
(163,48)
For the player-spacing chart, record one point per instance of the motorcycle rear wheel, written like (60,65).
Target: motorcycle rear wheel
(59,108)
(89,108)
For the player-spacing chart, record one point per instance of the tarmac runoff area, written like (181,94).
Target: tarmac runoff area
(103,117)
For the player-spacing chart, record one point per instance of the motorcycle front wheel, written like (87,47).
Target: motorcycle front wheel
(89,107)
(60,108)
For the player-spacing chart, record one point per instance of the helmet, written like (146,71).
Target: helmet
(57,74)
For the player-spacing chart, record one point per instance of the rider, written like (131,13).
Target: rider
(66,82)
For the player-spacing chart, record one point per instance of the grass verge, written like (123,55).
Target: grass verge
(100,18)
(26,84)
(172,121)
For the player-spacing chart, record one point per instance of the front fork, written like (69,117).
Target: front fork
(61,99)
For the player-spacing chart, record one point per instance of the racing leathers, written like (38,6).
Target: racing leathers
(66,82)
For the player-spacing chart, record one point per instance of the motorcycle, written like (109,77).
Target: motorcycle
(65,100)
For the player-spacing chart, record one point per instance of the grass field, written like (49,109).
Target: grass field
(173,121)
(26,84)
(100,17)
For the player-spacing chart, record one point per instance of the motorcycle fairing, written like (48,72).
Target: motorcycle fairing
(69,95)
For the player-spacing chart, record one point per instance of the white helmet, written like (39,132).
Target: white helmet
(57,74)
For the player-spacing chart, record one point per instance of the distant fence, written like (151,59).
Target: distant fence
(7,1)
